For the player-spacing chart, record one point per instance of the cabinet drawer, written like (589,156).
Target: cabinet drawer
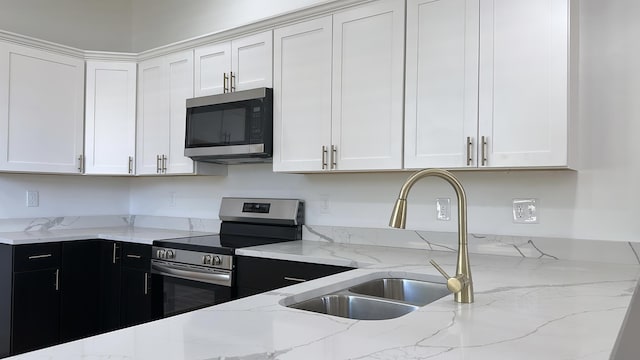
(36,256)
(269,274)
(136,256)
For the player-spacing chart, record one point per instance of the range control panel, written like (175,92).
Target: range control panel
(195,258)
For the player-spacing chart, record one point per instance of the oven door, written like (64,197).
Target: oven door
(184,288)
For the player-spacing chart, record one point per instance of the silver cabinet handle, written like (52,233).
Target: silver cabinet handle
(32,257)
(334,157)
(81,164)
(469,151)
(57,279)
(232,80)
(115,247)
(132,256)
(130,164)
(146,283)
(164,164)
(483,145)
(294,279)
(225,78)
(158,166)
(324,157)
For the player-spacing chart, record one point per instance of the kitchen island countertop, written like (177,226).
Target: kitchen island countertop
(523,309)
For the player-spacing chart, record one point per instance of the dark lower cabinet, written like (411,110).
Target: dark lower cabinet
(135,284)
(80,290)
(35,303)
(257,275)
(109,303)
(136,291)
(36,314)
(57,292)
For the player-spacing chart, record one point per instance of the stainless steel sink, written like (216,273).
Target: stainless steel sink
(356,307)
(414,292)
(375,299)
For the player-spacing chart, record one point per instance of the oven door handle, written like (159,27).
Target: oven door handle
(219,278)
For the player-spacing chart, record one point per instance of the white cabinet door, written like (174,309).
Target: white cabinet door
(41,110)
(213,63)
(252,62)
(241,64)
(441,83)
(368,84)
(180,88)
(302,95)
(153,116)
(524,58)
(110,118)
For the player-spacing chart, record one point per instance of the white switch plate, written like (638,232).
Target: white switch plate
(33,198)
(525,211)
(324,204)
(443,209)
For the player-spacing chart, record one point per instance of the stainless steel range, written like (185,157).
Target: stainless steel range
(194,272)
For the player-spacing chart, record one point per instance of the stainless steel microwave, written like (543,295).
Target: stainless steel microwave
(230,128)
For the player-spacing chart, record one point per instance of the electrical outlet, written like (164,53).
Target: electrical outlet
(172,199)
(33,199)
(443,209)
(525,211)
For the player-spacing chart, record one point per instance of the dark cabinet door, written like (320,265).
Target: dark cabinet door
(36,303)
(80,286)
(256,275)
(110,265)
(136,296)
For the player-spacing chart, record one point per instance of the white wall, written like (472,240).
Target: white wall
(160,22)
(63,195)
(598,202)
(84,24)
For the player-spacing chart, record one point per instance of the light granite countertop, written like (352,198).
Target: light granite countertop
(523,309)
(138,235)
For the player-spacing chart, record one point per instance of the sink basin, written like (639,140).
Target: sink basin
(414,292)
(385,297)
(355,307)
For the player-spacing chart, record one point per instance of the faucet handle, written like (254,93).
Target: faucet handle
(454,284)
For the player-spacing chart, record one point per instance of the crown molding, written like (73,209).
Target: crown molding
(296,16)
(314,11)
(40,44)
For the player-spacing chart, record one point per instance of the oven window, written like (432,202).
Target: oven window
(180,295)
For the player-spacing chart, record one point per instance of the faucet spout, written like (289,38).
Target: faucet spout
(460,284)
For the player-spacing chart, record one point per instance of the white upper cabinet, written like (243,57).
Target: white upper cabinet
(368,83)
(153,116)
(241,64)
(180,87)
(524,82)
(338,88)
(488,83)
(41,110)
(302,96)
(441,83)
(110,118)
(164,85)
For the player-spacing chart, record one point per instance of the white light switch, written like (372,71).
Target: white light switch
(33,199)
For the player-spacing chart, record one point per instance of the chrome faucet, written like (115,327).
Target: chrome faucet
(460,285)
